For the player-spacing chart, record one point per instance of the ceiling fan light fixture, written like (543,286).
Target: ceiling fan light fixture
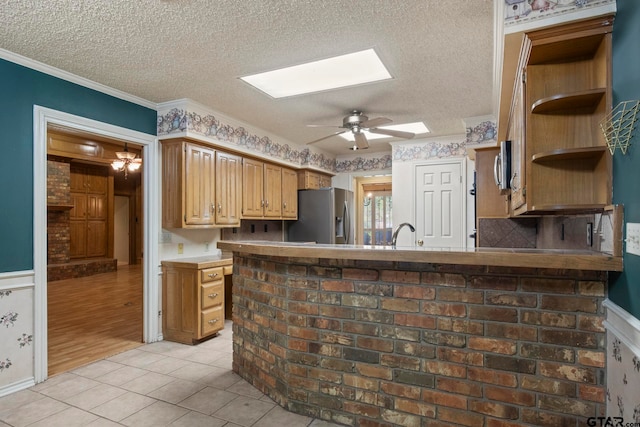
(416,128)
(332,73)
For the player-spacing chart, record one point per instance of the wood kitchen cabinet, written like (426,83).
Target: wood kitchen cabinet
(188,185)
(268,191)
(490,203)
(200,186)
(289,194)
(562,93)
(228,199)
(193,299)
(89,216)
(312,180)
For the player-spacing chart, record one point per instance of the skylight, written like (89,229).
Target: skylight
(417,128)
(332,73)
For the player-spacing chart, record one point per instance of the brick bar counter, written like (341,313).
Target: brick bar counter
(380,337)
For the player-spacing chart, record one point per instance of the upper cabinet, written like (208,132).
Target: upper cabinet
(562,91)
(188,186)
(204,187)
(268,191)
(312,180)
(289,194)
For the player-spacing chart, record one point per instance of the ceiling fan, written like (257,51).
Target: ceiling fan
(356,122)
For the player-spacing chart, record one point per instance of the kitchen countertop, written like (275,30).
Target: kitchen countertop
(199,262)
(506,257)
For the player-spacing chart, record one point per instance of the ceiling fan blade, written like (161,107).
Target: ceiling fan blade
(396,133)
(378,121)
(361,141)
(327,137)
(323,126)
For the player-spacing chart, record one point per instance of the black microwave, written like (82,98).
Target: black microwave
(502,166)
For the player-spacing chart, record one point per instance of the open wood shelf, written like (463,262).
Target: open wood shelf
(569,153)
(566,50)
(569,101)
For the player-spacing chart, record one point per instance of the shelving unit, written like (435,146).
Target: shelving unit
(566,91)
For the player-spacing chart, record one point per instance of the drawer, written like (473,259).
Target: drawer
(227,269)
(211,274)
(212,320)
(211,295)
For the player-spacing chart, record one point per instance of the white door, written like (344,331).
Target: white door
(121,229)
(440,205)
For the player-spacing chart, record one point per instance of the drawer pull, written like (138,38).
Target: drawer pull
(212,321)
(213,295)
(212,275)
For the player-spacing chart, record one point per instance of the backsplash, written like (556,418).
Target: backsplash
(551,232)
(507,232)
(272,231)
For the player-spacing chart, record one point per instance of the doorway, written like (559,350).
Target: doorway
(94,284)
(121,233)
(43,119)
(374,203)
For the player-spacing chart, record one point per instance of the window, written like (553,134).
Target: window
(377,222)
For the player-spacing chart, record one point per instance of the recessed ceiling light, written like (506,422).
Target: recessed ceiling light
(417,128)
(332,73)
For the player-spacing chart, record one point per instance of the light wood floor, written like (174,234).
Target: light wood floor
(93,317)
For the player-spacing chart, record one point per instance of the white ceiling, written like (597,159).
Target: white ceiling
(440,54)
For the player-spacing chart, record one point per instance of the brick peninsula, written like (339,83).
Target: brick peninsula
(376,336)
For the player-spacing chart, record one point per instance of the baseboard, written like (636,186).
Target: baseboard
(17,386)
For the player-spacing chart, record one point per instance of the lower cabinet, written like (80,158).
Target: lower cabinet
(193,299)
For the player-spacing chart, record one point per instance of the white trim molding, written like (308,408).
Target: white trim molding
(623,325)
(17,386)
(42,117)
(65,75)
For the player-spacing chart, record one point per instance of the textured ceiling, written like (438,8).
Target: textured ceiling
(440,54)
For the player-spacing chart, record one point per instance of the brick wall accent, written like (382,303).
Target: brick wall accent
(58,230)
(58,237)
(383,343)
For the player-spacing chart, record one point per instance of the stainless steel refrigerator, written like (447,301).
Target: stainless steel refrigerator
(324,216)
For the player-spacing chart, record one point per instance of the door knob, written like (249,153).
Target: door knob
(420,242)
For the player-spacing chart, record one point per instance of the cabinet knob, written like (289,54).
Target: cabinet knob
(284,204)
(213,209)
(262,203)
(212,275)
(212,321)
(266,203)
(219,207)
(213,295)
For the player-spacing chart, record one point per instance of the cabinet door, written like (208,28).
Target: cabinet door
(273,191)
(77,238)
(516,134)
(199,185)
(96,238)
(489,202)
(252,188)
(228,188)
(289,193)
(324,181)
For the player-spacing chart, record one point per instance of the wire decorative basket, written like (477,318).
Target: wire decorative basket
(619,124)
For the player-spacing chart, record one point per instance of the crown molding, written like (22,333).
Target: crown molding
(65,75)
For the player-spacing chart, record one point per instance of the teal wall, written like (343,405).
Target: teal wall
(20,89)
(624,288)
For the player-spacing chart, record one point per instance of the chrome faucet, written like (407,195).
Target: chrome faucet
(394,238)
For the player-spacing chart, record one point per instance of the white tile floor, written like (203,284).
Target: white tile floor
(159,384)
